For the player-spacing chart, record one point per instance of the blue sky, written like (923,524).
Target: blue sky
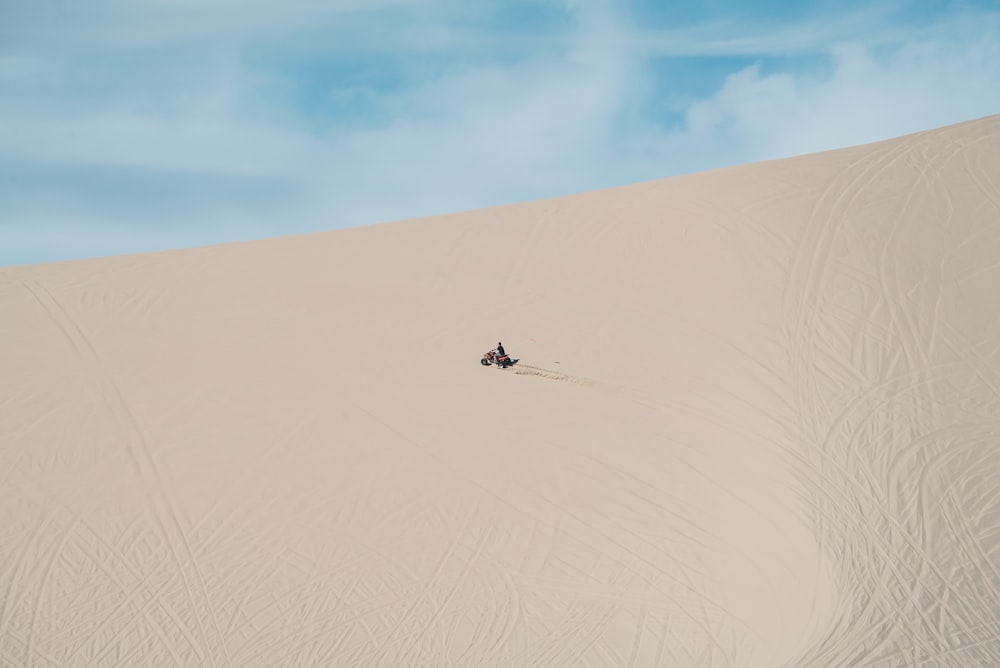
(138,125)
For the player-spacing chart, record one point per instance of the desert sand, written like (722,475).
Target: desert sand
(755,422)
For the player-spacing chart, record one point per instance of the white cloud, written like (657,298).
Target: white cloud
(736,35)
(868,94)
(210,137)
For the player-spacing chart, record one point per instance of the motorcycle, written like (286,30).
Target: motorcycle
(493,357)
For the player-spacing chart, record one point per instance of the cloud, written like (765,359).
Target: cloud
(863,93)
(200,125)
(733,33)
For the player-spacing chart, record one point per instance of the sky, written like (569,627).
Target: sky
(141,125)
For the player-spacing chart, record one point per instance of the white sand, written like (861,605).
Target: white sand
(755,423)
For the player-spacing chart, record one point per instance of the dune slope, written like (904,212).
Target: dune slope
(754,422)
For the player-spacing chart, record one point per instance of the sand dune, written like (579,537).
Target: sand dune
(755,423)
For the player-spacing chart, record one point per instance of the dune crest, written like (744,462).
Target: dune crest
(754,423)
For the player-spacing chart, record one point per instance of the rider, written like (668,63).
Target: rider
(500,352)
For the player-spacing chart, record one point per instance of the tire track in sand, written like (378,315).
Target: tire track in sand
(140,452)
(890,606)
(528,370)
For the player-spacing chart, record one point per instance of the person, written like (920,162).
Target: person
(500,352)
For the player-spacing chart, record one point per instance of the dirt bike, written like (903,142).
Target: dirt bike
(492,357)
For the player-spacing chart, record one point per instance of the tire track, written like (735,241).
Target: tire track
(44,584)
(436,616)
(17,574)
(654,567)
(917,357)
(979,175)
(360,610)
(141,454)
(425,590)
(811,262)
(514,615)
(528,370)
(875,540)
(901,553)
(130,594)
